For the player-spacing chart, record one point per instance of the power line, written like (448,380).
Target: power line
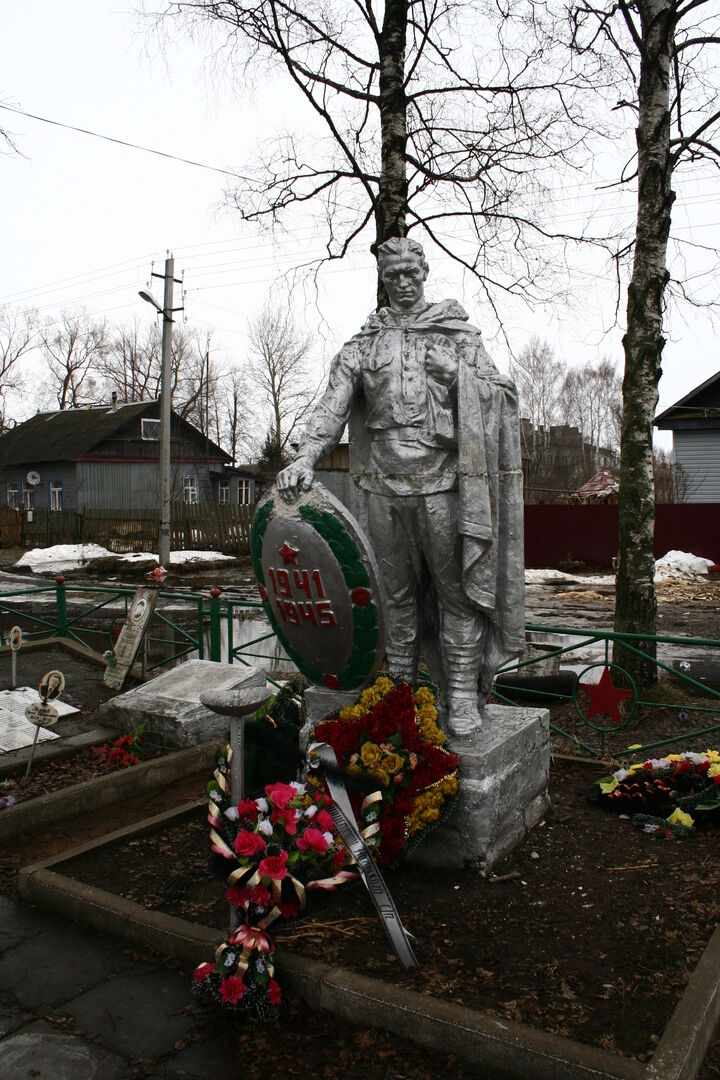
(124,142)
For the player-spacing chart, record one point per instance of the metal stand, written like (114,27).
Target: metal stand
(239,705)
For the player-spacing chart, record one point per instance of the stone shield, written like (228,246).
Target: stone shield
(319,585)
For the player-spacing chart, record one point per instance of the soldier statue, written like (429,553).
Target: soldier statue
(434,436)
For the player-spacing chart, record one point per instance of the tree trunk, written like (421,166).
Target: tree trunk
(636,605)
(391,203)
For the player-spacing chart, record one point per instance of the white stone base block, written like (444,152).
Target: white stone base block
(321,702)
(170,707)
(504,770)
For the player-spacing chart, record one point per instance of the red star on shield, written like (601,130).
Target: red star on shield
(605,697)
(287,553)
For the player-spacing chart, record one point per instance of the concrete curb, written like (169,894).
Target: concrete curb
(502,1047)
(14,761)
(150,776)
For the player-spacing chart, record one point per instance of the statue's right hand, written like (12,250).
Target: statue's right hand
(296,478)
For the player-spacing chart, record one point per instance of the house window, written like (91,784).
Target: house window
(13,496)
(244,492)
(150,430)
(223,491)
(190,489)
(28,498)
(56,489)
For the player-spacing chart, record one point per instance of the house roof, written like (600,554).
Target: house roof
(72,433)
(600,485)
(701,403)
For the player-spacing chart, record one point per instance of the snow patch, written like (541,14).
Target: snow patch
(62,557)
(681,564)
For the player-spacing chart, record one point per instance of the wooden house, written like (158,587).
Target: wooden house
(695,425)
(107,457)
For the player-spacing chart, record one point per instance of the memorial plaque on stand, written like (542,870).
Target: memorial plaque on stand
(139,615)
(319,585)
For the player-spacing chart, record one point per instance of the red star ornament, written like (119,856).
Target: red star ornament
(288,553)
(605,697)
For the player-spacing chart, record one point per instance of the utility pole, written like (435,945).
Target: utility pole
(165,403)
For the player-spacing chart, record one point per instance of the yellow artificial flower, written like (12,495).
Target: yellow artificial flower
(430,815)
(674,757)
(714,769)
(384,685)
(380,775)
(713,756)
(424,696)
(608,784)
(370,753)
(351,712)
(678,817)
(353,770)
(392,763)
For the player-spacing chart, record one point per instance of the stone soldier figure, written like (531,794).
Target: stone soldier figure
(435,443)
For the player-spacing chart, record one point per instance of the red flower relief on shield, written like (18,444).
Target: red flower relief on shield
(360,596)
(332,682)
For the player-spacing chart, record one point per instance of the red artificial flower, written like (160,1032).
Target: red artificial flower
(203,971)
(323,821)
(280,794)
(313,840)
(237,896)
(288,909)
(246,808)
(339,858)
(274,992)
(716,779)
(703,766)
(249,843)
(260,896)
(684,766)
(288,818)
(124,740)
(274,866)
(232,989)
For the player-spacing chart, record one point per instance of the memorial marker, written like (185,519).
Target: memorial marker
(14,641)
(41,714)
(126,648)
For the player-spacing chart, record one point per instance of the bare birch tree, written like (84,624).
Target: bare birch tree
(430,117)
(668,49)
(539,378)
(279,373)
(74,348)
(18,337)
(592,397)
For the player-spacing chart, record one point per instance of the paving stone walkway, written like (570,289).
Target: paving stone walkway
(77,1006)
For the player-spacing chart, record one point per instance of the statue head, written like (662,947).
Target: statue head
(403,271)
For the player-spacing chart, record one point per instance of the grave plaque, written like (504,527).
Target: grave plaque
(319,585)
(15,638)
(139,615)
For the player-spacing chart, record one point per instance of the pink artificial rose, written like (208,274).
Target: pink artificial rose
(280,794)
(232,989)
(274,992)
(314,840)
(324,821)
(248,843)
(274,866)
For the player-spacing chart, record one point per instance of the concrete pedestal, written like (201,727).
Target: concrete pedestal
(504,771)
(170,707)
(321,702)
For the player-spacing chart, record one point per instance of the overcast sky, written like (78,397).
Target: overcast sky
(82,218)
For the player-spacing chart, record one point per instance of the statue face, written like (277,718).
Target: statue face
(404,279)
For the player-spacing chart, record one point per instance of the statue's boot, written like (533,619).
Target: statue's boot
(464,716)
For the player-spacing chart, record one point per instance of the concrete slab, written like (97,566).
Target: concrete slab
(148,1003)
(43,1052)
(49,968)
(170,707)
(17,924)
(504,771)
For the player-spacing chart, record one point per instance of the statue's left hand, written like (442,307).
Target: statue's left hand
(441,364)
